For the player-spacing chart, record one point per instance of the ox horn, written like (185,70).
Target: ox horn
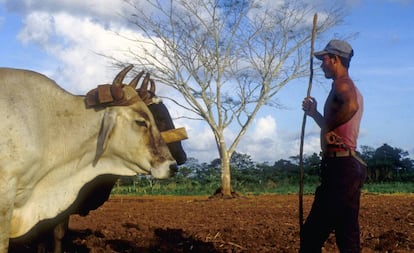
(152,88)
(121,75)
(144,85)
(135,81)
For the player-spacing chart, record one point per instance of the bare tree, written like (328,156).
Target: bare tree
(227,58)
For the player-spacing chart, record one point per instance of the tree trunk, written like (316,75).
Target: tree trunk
(225,174)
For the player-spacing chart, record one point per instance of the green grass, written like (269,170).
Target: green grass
(283,187)
(389,187)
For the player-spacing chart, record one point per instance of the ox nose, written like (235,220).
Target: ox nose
(173,169)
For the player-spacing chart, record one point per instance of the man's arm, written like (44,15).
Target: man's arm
(309,105)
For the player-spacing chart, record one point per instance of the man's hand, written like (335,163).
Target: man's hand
(309,105)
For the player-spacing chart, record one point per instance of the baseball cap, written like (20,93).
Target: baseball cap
(336,47)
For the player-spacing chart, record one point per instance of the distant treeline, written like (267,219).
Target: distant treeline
(386,166)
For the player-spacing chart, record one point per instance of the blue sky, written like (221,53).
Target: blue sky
(62,38)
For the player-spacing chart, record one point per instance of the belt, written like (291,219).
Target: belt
(347,153)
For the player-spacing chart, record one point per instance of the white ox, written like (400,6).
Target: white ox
(51,145)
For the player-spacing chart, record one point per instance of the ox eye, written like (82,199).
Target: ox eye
(141,123)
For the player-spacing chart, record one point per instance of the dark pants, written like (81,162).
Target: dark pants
(335,207)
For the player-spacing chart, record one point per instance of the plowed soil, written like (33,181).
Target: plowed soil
(245,224)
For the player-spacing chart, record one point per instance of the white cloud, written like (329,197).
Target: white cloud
(103,10)
(78,44)
(200,144)
(37,28)
(76,33)
(265,142)
(265,127)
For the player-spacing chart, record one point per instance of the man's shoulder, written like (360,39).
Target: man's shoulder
(343,84)
(344,80)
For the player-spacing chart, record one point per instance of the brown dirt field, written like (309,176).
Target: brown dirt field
(246,224)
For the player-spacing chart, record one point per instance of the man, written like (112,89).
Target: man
(337,198)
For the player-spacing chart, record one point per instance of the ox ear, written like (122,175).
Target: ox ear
(107,126)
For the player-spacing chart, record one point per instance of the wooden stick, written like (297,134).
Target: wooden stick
(302,136)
